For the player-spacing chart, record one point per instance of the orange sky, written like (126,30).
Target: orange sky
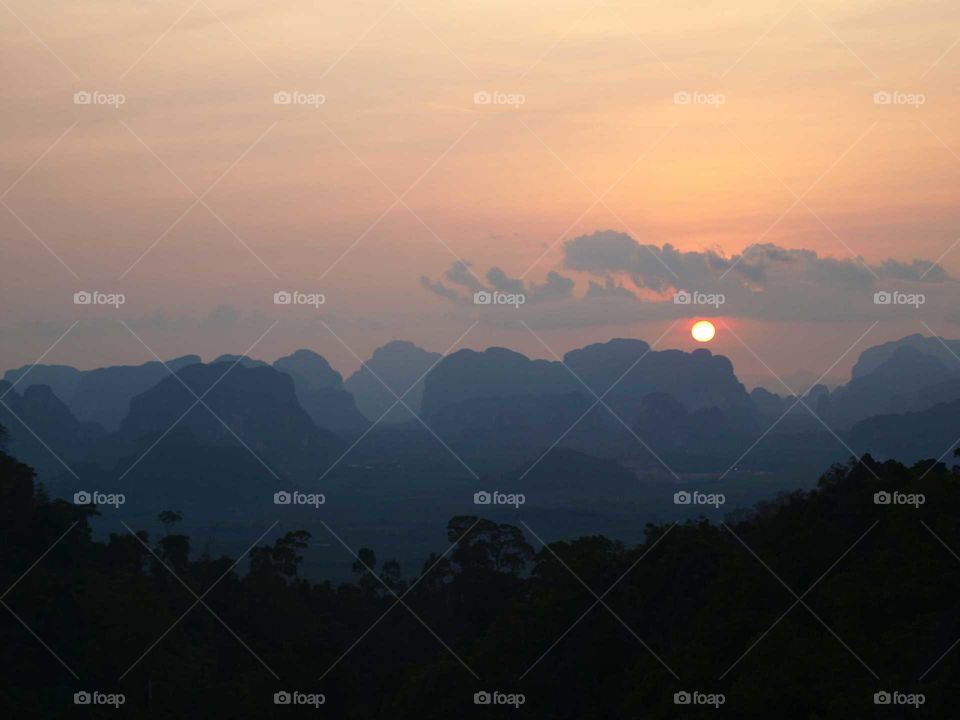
(399,172)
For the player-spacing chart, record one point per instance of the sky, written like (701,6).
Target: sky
(781,162)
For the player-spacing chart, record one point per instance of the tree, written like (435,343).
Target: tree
(483,545)
(282,560)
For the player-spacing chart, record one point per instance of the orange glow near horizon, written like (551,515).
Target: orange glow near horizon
(508,130)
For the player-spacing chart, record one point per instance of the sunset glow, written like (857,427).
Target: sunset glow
(703,331)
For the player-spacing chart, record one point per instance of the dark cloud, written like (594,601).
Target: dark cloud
(607,253)
(556,287)
(764,281)
(438,288)
(918,270)
(498,278)
(460,274)
(608,289)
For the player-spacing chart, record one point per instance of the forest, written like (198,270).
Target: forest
(820,604)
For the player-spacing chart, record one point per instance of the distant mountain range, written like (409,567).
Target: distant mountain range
(396,370)
(597,400)
(102,395)
(912,374)
(320,390)
(679,404)
(227,403)
(42,430)
(612,426)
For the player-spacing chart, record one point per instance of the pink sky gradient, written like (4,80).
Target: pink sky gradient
(400,173)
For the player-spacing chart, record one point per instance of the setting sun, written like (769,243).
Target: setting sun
(703,331)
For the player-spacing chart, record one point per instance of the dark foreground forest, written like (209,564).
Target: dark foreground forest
(803,608)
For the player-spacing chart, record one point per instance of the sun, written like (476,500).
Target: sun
(703,331)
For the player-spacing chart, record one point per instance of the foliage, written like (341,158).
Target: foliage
(585,628)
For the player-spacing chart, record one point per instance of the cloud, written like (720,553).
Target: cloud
(918,270)
(659,268)
(628,282)
(609,289)
(461,274)
(556,287)
(438,288)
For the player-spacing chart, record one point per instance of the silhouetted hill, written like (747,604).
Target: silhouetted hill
(101,395)
(909,436)
(768,403)
(891,386)
(689,404)
(309,370)
(698,379)
(244,360)
(493,373)
(398,364)
(62,379)
(41,428)
(937,393)
(255,404)
(871,358)
(321,392)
